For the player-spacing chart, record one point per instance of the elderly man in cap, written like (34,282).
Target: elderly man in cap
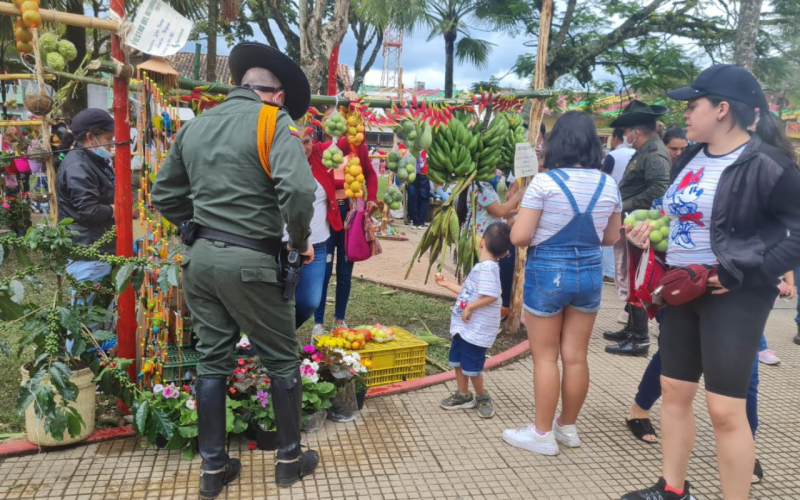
(645,181)
(234,177)
(85,190)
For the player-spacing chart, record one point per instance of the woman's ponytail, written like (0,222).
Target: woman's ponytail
(772,131)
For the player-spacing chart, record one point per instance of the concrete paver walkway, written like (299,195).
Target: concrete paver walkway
(405,447)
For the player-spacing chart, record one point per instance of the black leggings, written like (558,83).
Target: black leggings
(716,336)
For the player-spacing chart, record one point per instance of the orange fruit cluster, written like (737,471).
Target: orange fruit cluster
(31,18)
(355,129)
(354,340)
(353,178)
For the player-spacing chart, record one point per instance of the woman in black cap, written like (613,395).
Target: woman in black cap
(85,189)
(732,198)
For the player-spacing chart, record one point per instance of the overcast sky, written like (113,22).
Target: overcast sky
(424,61)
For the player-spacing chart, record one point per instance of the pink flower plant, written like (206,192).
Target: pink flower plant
(171,392)
(263,398)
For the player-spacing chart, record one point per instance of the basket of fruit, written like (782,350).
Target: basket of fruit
(397,357)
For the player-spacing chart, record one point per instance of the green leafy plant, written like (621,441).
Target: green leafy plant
(15,213)
(56,331)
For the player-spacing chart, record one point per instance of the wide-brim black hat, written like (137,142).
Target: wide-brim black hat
(295,85)
(638,113)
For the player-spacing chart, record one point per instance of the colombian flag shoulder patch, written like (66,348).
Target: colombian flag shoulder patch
(293,131)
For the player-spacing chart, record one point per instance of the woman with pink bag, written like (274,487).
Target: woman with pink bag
(338,240)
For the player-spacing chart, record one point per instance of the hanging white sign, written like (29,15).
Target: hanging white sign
(158,29)
(526,163)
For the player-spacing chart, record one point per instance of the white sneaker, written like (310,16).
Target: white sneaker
(623,318)
(528,439)
(566,434)
(768,357)
(342,325)
(318,330)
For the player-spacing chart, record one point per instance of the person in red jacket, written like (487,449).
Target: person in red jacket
(335,244)
(325,221)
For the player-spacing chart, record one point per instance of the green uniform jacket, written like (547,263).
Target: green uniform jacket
(647,176)
(213,175)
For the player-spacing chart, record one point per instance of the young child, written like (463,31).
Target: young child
(476,320)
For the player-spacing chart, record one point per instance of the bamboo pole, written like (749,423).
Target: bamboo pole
(537,111)
(55,16)
(23,76)
(20,123)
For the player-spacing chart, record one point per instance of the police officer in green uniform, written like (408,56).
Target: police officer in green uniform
(233,213)
(645,180)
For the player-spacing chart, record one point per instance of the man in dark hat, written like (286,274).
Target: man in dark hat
(238,174)
(645,180)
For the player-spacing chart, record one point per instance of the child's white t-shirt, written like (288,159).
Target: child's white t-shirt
(482,327)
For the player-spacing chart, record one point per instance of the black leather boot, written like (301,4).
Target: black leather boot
(217,469)
(623,334)
(797,337)
(638,341)
(292,464)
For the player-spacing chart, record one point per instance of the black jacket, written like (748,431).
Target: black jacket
(85,190)
(755,222)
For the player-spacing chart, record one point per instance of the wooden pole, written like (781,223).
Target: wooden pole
(123,206)
(55,16)
(20,123)
(333,69)
(537,111)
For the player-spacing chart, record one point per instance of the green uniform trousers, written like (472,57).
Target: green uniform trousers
(228,288)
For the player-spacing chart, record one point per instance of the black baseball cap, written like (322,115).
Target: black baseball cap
(92,119)
(724,80)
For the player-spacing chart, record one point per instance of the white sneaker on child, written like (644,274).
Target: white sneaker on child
(566,434)
(528,439)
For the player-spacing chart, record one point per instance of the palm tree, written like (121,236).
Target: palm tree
(449,19)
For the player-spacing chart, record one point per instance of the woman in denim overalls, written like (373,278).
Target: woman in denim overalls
(568,213)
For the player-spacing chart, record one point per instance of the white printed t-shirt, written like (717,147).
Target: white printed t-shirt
(481,329)
(689,202)
(545,195)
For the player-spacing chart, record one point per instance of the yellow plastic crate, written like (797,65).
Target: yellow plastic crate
(395,361)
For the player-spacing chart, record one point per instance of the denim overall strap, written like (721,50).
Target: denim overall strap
(580,231)
(596,196)
(556,176)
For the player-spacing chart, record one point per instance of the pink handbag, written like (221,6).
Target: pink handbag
(356,245)
(360,242)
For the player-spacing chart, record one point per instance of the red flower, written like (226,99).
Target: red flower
(185,388)
(232,390)
(252,446)
(241,361)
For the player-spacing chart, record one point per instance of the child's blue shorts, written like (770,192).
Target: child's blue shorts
(469,357)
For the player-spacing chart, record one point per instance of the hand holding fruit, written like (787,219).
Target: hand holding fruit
(639,235)
(440,279)
(658,224)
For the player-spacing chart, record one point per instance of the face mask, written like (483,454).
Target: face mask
(625,140)
(102,151)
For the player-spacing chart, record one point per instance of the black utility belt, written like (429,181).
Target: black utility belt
(342,202)
(190,231)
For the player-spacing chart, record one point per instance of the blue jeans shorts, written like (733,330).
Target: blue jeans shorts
(559,277)
(469,357)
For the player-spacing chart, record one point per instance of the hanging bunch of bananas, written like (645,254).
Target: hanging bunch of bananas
(443,233)
(516,127)
(490,149)
(416,134)
(450,156)
(468,244)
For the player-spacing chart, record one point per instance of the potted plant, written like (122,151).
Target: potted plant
(38,155)
(57,394)
(15,213)
(317,393)
(361,392)
(341,368)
